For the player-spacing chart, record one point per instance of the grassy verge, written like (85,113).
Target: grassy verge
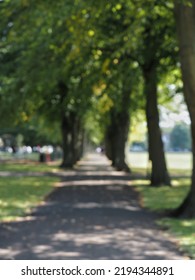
(18,195)
(28,166)
(184,230)
(165,198)
(180,161)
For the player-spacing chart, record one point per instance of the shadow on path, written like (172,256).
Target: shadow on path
(92,214)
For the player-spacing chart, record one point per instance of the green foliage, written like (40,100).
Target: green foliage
(180,138)
(83,46)
(79,44)
(94,127)
(32,133)
(43,46)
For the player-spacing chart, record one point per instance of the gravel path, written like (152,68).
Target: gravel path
(92,214)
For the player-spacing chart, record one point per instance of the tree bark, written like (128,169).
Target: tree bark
(159,173)
(117,133)
(116,138)
(70,129)
(185,20)
(121,135)
(67,141)
(109,136)
(78,139)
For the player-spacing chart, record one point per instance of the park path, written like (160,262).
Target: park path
(92,214)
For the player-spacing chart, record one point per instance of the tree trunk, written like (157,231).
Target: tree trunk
(115,143)
(68,141)
(72,140)
(72,135)
(185,20)
(159,173)
(78,139)
(117,133)
(109,136)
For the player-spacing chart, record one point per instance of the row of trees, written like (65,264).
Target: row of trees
(80,64)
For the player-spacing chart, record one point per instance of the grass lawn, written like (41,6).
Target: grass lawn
(175,161)
(166,198)
(19,194)
(28,166)
(11,156)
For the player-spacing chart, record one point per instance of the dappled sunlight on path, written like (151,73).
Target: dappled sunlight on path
(93,213)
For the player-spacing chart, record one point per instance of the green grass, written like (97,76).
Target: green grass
(18,195)
(23,166)
(177,161)
(165,198)
(184,230)
(10,156)
(173,172)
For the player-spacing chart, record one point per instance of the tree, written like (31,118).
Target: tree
(48,73)
(117,130)
(114,71)
(159,173)
(180,138)
(155,55)
(185,20)
(137,35)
